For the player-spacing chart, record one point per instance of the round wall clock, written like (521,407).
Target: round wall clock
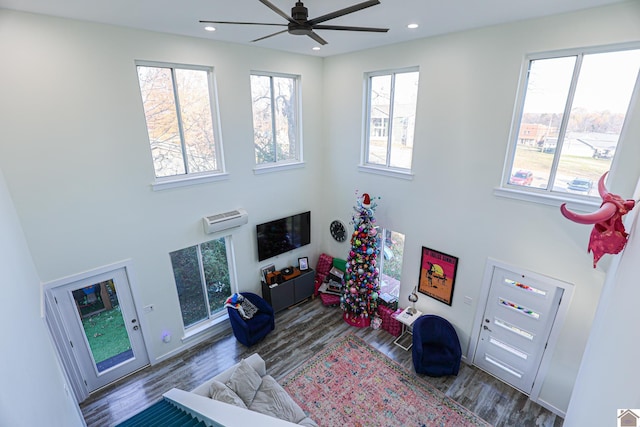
(338,231)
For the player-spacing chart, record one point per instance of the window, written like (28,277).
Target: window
(178,107)
(203,280)
(391,244)
(390,119)
(276,127)
(570,118)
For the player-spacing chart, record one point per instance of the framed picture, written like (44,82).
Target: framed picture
(437,275)
(266,270)
(303,263)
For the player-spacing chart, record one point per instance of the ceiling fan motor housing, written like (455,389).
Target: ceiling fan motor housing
(300,14)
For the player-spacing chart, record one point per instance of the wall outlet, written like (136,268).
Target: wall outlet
(468,300)
(148,308)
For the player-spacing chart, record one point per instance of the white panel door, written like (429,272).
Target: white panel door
(100,321)
(518,318)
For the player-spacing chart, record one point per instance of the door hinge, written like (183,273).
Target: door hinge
(55,299)
(85,382)
(71,342)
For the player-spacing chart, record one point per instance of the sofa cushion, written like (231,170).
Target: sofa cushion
(272,399)
(221,392)
(245,382)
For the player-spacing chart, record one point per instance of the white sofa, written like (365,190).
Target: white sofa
(255,398)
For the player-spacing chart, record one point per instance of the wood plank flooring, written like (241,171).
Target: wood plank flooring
(300,333)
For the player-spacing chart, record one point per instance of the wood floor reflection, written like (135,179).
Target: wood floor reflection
(300,333)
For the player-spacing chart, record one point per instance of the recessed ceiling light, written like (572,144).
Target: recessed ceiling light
(412,26)
(316,48)
(210,28)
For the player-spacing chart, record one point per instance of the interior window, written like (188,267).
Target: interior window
(203,280)
(178,108)
(391,244)
(571,116)
(276,126)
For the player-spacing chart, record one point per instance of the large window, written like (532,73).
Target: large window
(390,119)
(203,280)
(571,113)
(391,244)
(276,128)
(179,111)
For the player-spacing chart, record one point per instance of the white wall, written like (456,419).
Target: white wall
(467,91)
(76,160)
(33,388)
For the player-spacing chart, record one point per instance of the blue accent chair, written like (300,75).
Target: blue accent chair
(251,331)
(436,348)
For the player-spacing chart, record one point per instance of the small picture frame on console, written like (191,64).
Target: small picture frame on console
(303,263)
(266,270)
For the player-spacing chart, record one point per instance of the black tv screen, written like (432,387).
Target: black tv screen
(284,234)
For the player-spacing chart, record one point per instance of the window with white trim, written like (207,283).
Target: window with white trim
(178,103)
(204,280)
(570,114)
(390,119)
(275,101)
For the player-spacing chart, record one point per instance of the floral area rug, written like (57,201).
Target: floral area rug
(350,383)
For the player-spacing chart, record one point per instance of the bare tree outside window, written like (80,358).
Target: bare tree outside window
(275,118)
(178,111)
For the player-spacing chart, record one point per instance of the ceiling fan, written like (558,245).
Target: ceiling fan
(300,24)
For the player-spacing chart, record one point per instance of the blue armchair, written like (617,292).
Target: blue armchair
(251,331)
(436,348)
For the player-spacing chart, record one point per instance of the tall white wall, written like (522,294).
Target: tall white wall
(77,160)
(33,388)
(607,379)
(467,91)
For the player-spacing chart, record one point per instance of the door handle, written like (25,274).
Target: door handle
(135,328)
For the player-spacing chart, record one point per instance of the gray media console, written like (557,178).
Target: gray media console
(289,292)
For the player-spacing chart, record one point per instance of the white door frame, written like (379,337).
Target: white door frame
(61,337)
(474,338)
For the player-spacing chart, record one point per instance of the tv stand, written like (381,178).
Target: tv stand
(294,289)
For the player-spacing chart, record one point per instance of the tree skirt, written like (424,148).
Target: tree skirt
(350,383)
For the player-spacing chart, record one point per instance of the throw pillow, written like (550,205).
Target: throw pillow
(245,382)
(222,393)
(272,399)
(248,309)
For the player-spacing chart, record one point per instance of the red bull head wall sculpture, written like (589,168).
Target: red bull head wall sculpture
(608,235)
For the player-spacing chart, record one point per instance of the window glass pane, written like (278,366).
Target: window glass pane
(379,113)
(158,100)
(216,273)
(262,119)
(404,119)
(545,100)
(195,110)
(391,245)
(285,115)
(186,271)
(598,112)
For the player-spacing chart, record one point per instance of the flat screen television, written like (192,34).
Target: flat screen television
(282,235)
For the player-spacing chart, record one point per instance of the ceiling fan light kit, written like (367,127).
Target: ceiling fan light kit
(299,23)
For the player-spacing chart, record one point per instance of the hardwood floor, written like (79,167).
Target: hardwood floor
(300,333)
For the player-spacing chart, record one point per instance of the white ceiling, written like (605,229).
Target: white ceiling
(182,16)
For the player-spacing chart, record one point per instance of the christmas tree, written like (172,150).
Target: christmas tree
(359,298)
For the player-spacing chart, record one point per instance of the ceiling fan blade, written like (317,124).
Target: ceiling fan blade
(242,23)
(278,11)
(270,35)
(343,28)
(317,38)
(342,12)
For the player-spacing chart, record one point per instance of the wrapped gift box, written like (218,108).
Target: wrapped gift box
(389,322)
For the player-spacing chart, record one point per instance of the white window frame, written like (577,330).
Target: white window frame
(376,168)
(187,179)
(298,162)
(547,196)
(219,317)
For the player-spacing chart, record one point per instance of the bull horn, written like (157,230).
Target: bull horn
(606,211)
(601,188)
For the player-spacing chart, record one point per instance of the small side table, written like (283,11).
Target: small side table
(405,340)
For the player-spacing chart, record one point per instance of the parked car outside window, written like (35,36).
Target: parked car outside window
(522,177)
(580,184)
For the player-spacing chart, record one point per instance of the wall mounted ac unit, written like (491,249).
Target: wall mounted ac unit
(225,220)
